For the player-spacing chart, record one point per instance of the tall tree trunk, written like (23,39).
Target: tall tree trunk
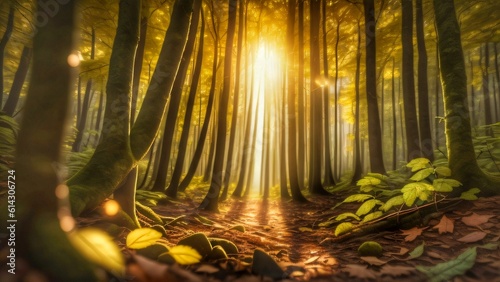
(423,87)
(411,122)
(292,132)
(210,202)
(211,152)
(301,157)
(179,163)
(111,162)
(139,58)
(316,132)
(17,85)
(461,155)
(236,96)
(169,130)
(486,88)
(394,122)
(329,176)
(497,72)
(374,132)
(9,27)
(40,238)
(358,169)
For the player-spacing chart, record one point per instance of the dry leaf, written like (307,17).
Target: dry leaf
(313,259)
(374,261)
(412,234)
(359,271)
(473,237)
(397,270)
(445,225)
(476,219)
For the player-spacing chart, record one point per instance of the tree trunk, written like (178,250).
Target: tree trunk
(179,163)
(316,132)
(236,96)
(9,27)
(411,122)
(301,157)
(461,155)
(110,164)
(374,132)
(423,88)
(169,130)
(486,88)
(394,122)
(17,85)
(40,237)
(329,176)
(210,202)
(358,169)
(139,58)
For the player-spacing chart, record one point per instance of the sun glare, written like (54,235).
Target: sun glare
(266,87)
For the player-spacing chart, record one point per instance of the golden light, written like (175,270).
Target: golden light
(62,191)
(74,59)
(67,223)
(111,207)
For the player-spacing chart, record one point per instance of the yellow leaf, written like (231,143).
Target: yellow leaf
(142,238)
(98,247)
(344,227)
(184,254)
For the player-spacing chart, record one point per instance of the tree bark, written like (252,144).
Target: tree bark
(301,156)
(211,200)
(374,132)
(410,111)
(461,155)
(358,169)
(423,87)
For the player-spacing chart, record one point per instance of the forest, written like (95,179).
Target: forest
(249,140)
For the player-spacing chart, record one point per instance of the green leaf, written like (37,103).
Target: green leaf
(358,198)
(418,251)
(367,206)
(422,174)
(184,254)
(470,195)
(368,180)
(418,164)
(343,228)
(445,185)
(394,201)
(372,216)
(366,188)
(142,237)
(443,171)
(416,190)
(98,247)
(447,270)
(345,215)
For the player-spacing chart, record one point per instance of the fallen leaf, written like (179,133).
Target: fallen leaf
(445,225)
(476,219)
(359,271)
(313,259)
(305,229)
(396,270)
(447,270)
(412,234)
(473,237)
(418,251)
(374,261)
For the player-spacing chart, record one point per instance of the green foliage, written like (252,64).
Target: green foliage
(370,248)
(418,251)
(447,270)
(419,183)
(8,136)
(470,195)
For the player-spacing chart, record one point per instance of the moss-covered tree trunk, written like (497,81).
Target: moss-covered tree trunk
(116,156)
(462,159)
(40,238)
(9,27)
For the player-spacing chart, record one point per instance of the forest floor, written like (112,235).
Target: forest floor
(290,234)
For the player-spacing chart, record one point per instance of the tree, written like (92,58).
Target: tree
(423,87)
(461,155)
(210,202)
(17,85)
(374,131)
(410,111)
(109,165)
(41,239)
